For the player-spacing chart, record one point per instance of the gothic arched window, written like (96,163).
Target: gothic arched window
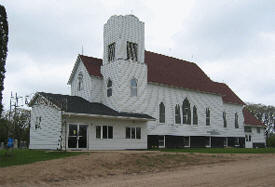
(236,120)
(133,87)
(109,88)
(80,82)
(207,112)
(177,114)
(186,112)
(195,116)
(161,113)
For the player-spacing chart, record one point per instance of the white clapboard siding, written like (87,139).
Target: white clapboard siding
(119,140)
(47,137)
(258,137)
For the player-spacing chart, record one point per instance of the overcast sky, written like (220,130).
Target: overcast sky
(232,41)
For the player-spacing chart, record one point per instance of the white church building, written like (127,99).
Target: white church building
(136,99)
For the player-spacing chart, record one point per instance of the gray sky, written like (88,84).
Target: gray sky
(232,41)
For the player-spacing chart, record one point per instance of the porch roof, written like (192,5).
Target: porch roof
(74,105)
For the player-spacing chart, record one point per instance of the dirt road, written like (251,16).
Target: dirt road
(130,168)
(252,172)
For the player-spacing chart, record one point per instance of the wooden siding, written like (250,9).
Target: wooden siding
(47,137)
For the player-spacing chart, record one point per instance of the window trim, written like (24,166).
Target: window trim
(208,117)
(109,88)
(130,137)
(101,132)
(80,85)
(177,114)
(161,113)
(133,88)
(132,51)
(224,119)
(237,121)
(111,53)
(186,112)
(195,115)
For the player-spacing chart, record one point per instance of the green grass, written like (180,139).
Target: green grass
(25,156)
(221,150)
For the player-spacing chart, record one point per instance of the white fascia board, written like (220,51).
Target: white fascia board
(106,116)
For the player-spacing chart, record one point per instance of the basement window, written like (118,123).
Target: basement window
(132,51)
(111,52)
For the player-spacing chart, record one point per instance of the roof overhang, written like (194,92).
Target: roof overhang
(106,116)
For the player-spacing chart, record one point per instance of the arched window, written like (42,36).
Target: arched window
(224,119)
(109,88)
(80,82)
(161,113)
(207,112)
(177,114)
(133,87)
(186,112)
(195,116)
(236,120)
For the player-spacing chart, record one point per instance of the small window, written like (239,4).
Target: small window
(195,116)
(236,120)
(224,119)
(186,141)
(161,113)
(133,133)
(249,138)
(133,87)
(111,52)
(177,114)
(247,129)
(161,141)
(138,132)
(128,132)
(80,82)
(109,88)
(258,130)
(207,111)
(186,112)
(107,132)
(37,123)
(208,142)
(132,52)
(98,132)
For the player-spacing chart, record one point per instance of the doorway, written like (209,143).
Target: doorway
(77,138)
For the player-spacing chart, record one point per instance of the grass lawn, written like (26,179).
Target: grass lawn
(25,156)
(221,150)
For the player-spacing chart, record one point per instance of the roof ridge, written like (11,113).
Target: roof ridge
(89,57)
(179,59)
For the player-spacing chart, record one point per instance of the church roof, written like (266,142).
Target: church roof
(174,72)
(78,105)
(249,119)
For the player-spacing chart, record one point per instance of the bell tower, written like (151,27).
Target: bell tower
(124,71)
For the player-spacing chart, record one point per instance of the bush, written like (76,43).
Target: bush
(270,142)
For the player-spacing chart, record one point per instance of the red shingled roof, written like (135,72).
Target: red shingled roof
(92,65)
(175,72)
(249,119)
